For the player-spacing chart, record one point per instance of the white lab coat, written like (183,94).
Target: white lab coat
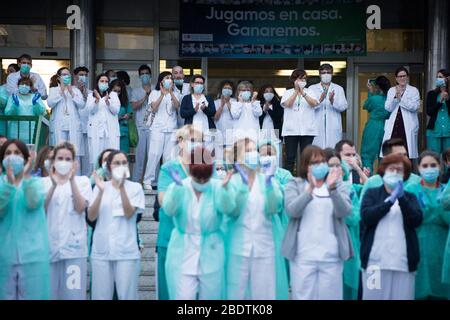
(328,116)
(247,116)
(409,104)
(103,122)
(185,90)
(12,83)
(226,123)
(58,104)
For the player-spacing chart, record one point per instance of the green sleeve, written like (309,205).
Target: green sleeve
(174,199)
(11,109)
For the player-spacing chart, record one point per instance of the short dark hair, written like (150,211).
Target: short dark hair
(400,69)
(332,153)
(100,157)
(222,84)
(15,66)
(161,76)
(395,158)
(429,153)
(388,145)
(306,157)
(325,66)
(383,83)
(123,75)
(77,70)
(123,96)
(111,157)
(340,145)
(144,67)
(19,144)
(25,81)
(297,73)
(197,76)
(24,56)
(96,84)
(64,145)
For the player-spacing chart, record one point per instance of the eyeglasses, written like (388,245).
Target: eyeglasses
(402,76)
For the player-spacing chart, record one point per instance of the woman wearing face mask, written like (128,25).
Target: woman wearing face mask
(24,246)
(255,268)
(115,255)
(103,106)
(317,241)
(195,265)
(42,163)
(187,139)
(434,229)
(25,103)
(438,109)
(125,113)
(65,101)
(272,118)
(246,111)
(389,243)
(374,129)
(163,104)
(403,101)
(67,198)
(224,121)
(299,125)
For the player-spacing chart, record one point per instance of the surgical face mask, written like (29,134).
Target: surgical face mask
(47,163)
(63,167)
(440,82)
(24,89)
(268,161)
(178,82)
(200,187)
(118,173)
(391,179)
(112,79)
(268,96)
(226,92)
(145,78)
(430,175)
(326,78)
(221,173)
(320,171)
(246,95)
(66,79)
(17,163)
(25,68)
(251,160)
(198,88)
(167,83)
(301,84)
(103,86)
(82,79)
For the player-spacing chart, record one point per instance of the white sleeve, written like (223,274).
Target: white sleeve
(236,109)
(12,84)
(411,102)
(134,95)
(340,102)
(391,103)
(78,98)
(84,185)
(95,193)
(91,106)
(114,103)
(137,197)
(40,86)
(256,108)
(285,97)
(54,97)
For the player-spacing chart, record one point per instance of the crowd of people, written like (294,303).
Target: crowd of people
(232,223)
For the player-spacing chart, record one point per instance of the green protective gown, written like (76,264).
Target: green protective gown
(24,238)
(214,203)
(23,130)
(165,225)
(432,235)
(438,139)
(273,205)
(445,202)
(283,176)
(124,138)
(373,133)
(3,101)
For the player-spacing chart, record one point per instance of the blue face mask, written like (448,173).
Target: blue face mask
(17,163)
(252,160)
(112,79)
(82,79)
(66,79)
(25,68)
(145,78)
(227,92)
(391,179)
(178,82)
(320,171)
(103,87)
(200,187)
(24,89)
(440,82)
(167,83)
(246,95)
(198,88)
(430,175)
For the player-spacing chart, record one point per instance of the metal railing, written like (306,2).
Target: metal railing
(33,130)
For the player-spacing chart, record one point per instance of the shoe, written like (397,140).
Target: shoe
(148,187)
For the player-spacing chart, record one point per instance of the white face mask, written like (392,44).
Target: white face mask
(326,78)
(268,96)
(63,167)
(301,84)
(119,172)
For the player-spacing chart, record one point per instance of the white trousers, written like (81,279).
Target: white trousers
(68,279)
(96,149)
(388,285)
(124,273)
(86,168)
(163,144)
(204,287)
(316,280)
(141,153)
(251,278)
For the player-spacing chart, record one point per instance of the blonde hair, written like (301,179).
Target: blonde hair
(243,85)
(186,132)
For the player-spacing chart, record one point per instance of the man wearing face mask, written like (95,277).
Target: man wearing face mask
(347,151)
(25,64)
(332,103)
(181,87)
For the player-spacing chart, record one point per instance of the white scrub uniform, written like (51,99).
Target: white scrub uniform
(185,90)
(247,119)
(86,168)
(115,255)
(225,126)
(68,241)
(328,115)
(387,275)
(252,249)
(103,126)
(65,124)
(316,272)
(162,138)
